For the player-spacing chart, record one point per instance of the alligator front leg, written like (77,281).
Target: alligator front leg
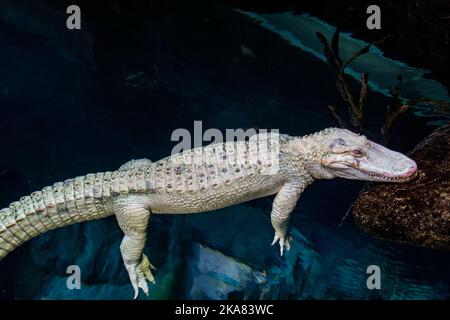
(283,205)
(133,215)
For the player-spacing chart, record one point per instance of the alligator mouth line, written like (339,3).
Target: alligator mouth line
(384,177)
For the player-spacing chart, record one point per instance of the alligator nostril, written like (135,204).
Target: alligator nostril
(411,170)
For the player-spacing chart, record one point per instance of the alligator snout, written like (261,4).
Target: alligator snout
(407,170)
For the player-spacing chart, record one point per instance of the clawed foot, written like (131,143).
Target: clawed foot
(139,274)
(284,241)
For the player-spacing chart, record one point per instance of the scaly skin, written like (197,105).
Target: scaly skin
(199,180)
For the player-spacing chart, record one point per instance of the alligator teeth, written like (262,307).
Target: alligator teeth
(373,174)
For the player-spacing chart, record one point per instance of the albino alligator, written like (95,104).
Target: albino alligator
(198,180)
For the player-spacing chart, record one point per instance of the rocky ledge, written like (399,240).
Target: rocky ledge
(417,212)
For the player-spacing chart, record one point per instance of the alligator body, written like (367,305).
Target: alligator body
(199,180)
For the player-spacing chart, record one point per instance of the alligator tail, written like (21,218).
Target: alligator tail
(72,201)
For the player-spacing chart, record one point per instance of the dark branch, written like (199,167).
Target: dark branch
(341,121)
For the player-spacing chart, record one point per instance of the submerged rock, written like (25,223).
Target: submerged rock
(213,275)
(417,212)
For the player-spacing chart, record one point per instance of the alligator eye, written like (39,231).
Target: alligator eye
(357,153)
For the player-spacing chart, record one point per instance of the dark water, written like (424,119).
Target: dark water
(69,107)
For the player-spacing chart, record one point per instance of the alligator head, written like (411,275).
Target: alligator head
(342,153)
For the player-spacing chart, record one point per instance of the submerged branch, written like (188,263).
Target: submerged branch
(390,119)
(341,121)
(363,92)
(327,50)
(356,106)
(335,48)
(362,51)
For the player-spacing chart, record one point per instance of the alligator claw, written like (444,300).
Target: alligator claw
(140,274)
(283,241)
(145,268)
